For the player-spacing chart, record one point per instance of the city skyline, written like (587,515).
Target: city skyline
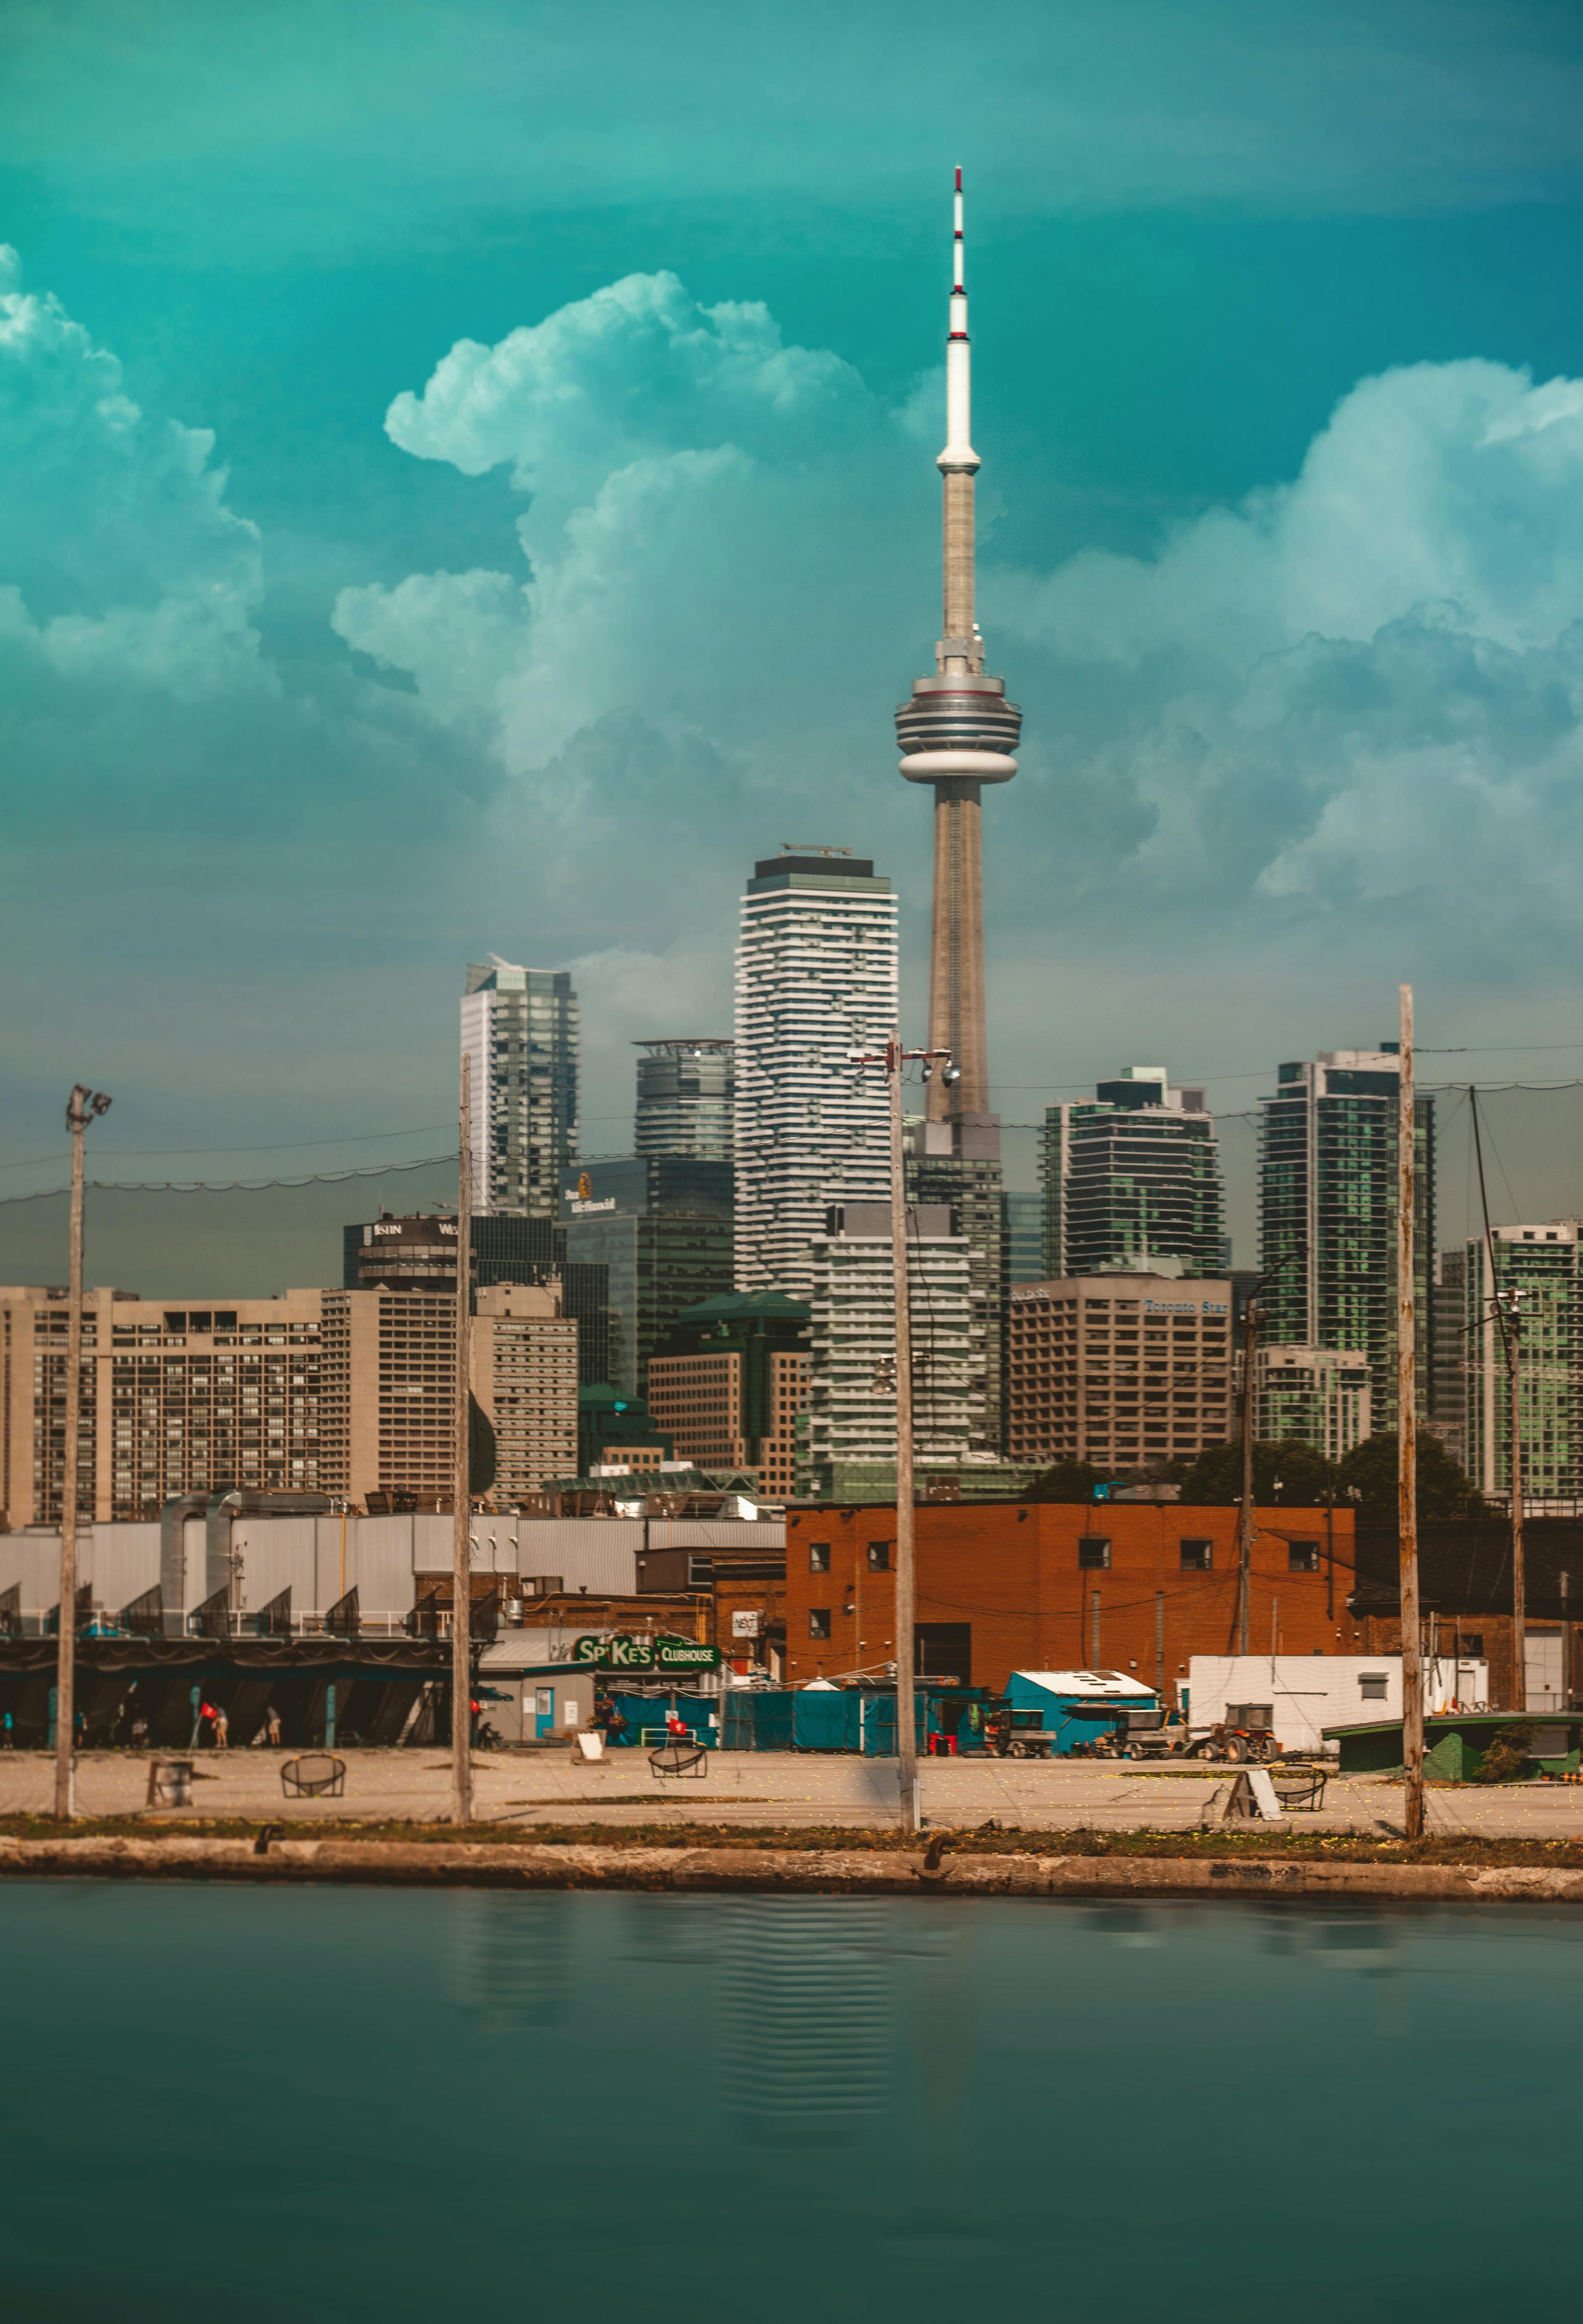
(472,564)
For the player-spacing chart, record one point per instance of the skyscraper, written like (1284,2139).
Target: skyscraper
(816,978)
(686,1093)
(957,733)
(520,1028)
(1133,1178)
(1327,1199)
(661,1224)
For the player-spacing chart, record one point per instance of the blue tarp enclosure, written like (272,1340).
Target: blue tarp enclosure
(843,1719)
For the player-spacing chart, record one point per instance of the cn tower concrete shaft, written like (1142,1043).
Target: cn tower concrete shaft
(956,956)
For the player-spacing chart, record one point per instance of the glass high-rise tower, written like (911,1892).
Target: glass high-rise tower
(1327,1202)
(519,1027)
(1132,1179)
(686,1095)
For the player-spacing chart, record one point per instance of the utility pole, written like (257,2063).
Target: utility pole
(1566,1704)
(1514,1298)
(83,1106)
(461,1482)
(1407,1432)
(1251,1323)
(894,1057)
(1506,1309)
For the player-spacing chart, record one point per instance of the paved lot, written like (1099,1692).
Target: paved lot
(758,1788)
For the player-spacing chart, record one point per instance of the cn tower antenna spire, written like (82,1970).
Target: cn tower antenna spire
(957,734)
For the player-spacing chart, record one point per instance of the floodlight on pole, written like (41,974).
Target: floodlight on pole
(83,1106)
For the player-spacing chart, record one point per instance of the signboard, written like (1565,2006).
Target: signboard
(662,1656)
(746,1626)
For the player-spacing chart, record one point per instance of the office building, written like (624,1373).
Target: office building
(188,1399)
(661,1224)
(390,1368)
(687,1098)
(1327,1203)
(524,1356)
(851,1438)
(617,1432)
(1132,1180)
(520,1028)
(1540,1264)
(418,1253)
(1118,1370)
(729,1382)
(816,979)
(1320,1395)
(1022,1226)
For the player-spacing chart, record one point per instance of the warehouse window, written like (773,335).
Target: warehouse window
(1197,1556)
(1303,1557)
(1371,1685)
(1094,1552)
(818,1557)
(818,1621)
(878,1557)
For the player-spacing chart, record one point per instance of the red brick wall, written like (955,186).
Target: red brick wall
(1012,1573)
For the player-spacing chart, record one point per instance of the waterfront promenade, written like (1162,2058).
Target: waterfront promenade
(773,1790)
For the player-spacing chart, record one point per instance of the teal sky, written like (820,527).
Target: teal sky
(466,482)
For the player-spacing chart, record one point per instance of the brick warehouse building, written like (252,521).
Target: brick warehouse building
(1137,1587)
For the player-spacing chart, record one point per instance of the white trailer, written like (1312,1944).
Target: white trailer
(1298,1695)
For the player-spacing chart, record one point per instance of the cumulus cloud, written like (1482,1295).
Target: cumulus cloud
(125,563)
(704,516)
(1365,684)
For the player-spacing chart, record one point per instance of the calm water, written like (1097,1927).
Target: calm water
(304,2104)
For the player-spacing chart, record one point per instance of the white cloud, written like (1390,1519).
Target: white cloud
(126,564)
(706,510)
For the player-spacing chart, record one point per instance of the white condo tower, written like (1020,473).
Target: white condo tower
(816,978)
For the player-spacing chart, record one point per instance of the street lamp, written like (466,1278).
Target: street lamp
(83,1106)
(894,1058)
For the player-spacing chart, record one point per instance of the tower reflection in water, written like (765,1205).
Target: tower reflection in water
(834,2011)
(511,1961)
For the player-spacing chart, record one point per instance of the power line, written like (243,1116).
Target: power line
(233,1185)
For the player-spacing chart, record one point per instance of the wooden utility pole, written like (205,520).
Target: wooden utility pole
(1251,1323)
(82,1107)
(1407,1431)
(1566,1702)
(1518,1577)
(461,1482)
(906,1737)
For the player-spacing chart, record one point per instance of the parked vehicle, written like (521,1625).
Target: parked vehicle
(1222,1742)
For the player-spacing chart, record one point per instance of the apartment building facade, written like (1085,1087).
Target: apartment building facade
(730,1382)
(175,1399)
(1118,1370)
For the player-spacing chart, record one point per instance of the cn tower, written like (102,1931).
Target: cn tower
(958,732)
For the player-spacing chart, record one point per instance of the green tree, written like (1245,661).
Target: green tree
(1301,1474)
(1444,1491)
(1068,1481)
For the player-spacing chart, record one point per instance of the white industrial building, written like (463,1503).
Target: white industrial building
(201,1547)
(1300,1696)
(816,979)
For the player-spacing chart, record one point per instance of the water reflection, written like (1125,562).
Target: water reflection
(806,2017)
(511,1961)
